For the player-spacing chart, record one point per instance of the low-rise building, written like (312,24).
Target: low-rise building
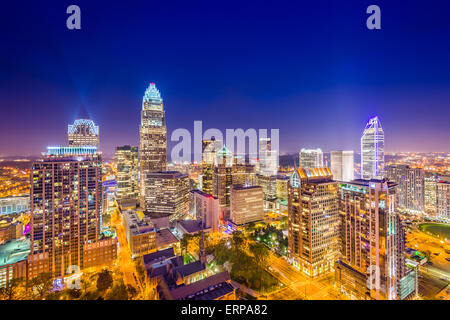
(140,231)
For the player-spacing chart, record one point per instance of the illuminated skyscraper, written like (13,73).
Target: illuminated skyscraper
(83,132)
(66,202)
(310,158)
(372,150)
(313,212)
(209,148)
(430,186)
(443,198)
(226,173)
(152,135)
(342,165)
(372,261)
(127,172)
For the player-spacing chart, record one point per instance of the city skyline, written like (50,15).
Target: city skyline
(355,75)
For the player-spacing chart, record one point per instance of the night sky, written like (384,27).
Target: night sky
(310,68)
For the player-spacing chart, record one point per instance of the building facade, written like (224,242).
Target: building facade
(310,158)
(140,232)
(247,204)
(166,194)
(410,193)
(443,198)
(342,165)
(152,135)
(83,132)
(430,186)
(268,158)
(16,204)
(66,202)
(372,150)
(372,241)
(226,173)
(313,221)
(127,172)
(205,207)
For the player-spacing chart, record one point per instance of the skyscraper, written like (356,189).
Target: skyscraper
(152,133)
(268,158)
(372,258)
(226,173)
(66,201)
(127,172)
(430,186)
(83,132)
(342,165)
(410,194)
(310,158)
(166,194)
(443,198)
(313,221)
(209,148)
(372,150)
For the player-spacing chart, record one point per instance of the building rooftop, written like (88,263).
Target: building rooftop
(158,256)
(165,237)
(191,226)
(203,193)
(190,268)
(14,251)
(209,288)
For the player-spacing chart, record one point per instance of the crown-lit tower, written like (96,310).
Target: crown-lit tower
(152,134)
(372,150)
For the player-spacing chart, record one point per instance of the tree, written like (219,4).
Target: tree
(117,292)
(104,280)
(132,292)
(184,243)
(261,254)
(238,240)
(9,292)
(42,284)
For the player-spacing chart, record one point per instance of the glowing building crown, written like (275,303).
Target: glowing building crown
(93,129)
(152,95)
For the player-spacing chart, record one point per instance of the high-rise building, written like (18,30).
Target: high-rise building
(269,185)
(66,202)
(372,260)
(430,186)
(166,194)
(268,158)
(410,194)
(226,173)
(83,132)
(313,221)
(152,135)
(342,165)
(310,158)
(205,207)
(246,204)
(372,150)
(443,198)
(127,172)
(209,149)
